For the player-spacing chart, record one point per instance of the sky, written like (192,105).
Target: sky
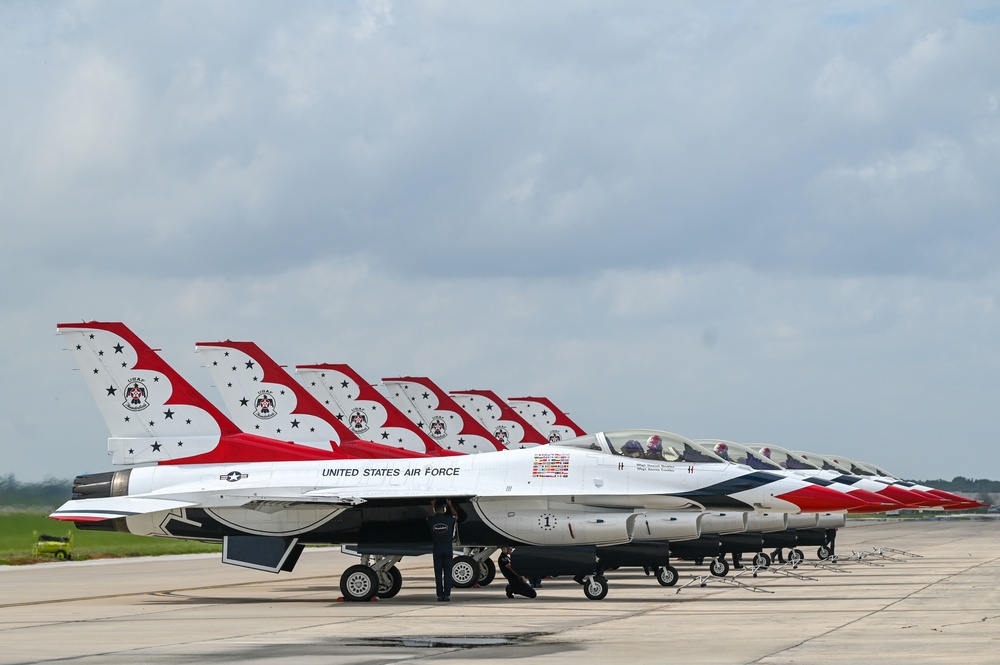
(756,221)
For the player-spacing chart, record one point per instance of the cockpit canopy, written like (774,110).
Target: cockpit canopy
(785,458)
(737,453)
(646,444)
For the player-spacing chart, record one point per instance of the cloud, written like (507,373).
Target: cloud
(757,221)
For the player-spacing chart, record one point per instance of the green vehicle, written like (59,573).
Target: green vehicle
(58,546)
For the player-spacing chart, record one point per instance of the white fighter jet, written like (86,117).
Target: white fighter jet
(193,474)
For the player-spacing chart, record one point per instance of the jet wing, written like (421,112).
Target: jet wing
(109,508)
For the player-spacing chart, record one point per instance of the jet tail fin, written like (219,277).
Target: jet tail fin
(154,415)
(369,413)
(546,417)
(503,422)
(265,399)
(439,415)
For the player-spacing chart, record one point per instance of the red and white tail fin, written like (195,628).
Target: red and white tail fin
(264,399)
(546,417)
(154,414)
(439,415)
(366,411)
(506,425)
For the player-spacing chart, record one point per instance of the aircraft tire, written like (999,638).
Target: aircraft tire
(596,588)
(389,583)
(667,575)
(762,560)
(464,572)
(795,556)
(359,584)
(719,567)
(823,552)
(487,572)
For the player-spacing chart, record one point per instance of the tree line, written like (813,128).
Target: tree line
(48,493)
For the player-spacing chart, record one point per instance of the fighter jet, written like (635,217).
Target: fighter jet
(264,499)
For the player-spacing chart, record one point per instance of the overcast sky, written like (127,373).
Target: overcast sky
(763,222)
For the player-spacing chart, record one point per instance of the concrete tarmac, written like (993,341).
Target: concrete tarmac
(940,607)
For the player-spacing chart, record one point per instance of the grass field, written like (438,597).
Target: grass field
(18,529)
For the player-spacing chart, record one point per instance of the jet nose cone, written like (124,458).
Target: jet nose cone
(876,503)
(906,497)
(954,501)
(816,499)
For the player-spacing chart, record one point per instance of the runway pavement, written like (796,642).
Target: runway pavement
(941,607)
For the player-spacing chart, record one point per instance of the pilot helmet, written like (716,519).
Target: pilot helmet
(766,452)
(721,448)
(654,444)
(631,447)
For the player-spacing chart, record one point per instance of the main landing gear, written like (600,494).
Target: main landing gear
(473,567)
(377,575)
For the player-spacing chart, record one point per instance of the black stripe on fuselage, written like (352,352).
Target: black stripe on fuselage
(719,495)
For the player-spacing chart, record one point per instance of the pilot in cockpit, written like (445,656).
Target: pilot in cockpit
(722,450)
(632,448)
(654,448)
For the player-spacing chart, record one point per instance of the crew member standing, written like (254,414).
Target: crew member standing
(442,526)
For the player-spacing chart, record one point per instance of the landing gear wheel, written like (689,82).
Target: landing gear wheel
(823,553)
(795,556)
(666,576)
(596,588)
(487,572)
(389,582)
(762,560)
(719,567)
(359,584)
(464,572)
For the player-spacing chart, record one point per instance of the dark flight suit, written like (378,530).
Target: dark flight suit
(442,530)
(516,583)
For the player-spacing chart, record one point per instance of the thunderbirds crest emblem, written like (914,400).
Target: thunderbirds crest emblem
(358,421)
(136,395)
(437,428)
(501,435)
(263,406)
(554,436)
